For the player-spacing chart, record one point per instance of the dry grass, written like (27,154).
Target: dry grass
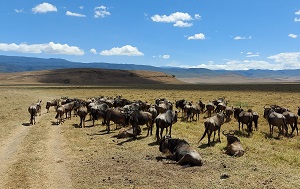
(95,159)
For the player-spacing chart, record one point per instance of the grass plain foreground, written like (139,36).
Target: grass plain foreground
(46,155)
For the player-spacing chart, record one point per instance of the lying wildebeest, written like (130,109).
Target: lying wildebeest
(275,119)
(213,124)
(165,120)
(60,114)
(127,132)
(181,151)
(234,146)
(34,110)
(54,103)
(246,118)
(291,119)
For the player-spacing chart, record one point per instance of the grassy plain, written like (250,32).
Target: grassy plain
(95,159)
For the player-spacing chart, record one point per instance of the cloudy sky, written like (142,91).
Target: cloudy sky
(214,34)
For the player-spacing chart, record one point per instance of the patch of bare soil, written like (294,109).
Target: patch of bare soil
(88,76)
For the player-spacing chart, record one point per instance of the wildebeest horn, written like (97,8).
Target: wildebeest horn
(225,133)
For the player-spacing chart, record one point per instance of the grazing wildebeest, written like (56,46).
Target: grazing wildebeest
(210,107)
(181,151)
(165,120)
(234,146)
(54,103)
(34,110)
(60,111)
(117,117)
(246,118)
(291,119)
(82,112)
(213,124)
(275,119)
(138,118)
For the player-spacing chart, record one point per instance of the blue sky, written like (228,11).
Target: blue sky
(213,34)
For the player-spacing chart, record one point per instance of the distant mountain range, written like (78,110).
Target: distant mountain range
(21,64)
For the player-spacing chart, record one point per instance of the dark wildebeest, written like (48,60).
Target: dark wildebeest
(82,112)
(98,111)
(165,120)
(210,107)
(117,116)
(60,111)
(229,112)
(54,103)
(246,118)
(181,151)
(191,110)
(255,120)
(221,107)
(213,124)
(291,119)
(179,104)
(234,146)
(298,111)
(34,110)
(275,119)
(138,118)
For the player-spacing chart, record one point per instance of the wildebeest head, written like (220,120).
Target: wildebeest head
(168,144)
(230,137)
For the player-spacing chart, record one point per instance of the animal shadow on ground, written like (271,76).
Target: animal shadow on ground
(203,146)
(269,136)
(153,143)
(130,139)
(26,124)
(75,125)
(242,133)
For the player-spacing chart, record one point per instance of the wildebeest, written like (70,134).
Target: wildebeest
(234,146)
(126,132)
(221,107)
(165,120)
(34,110)
(141,118)
(291,119)
(298,111)
(68,108)
(275,119)
(179,104)
(255,120)
(229,112)
(245,118)
(191,110)
(213,124)
(181,151)
(54,102)
(60,111)
(82,112)
(117,117)
(210,107)
(98,111)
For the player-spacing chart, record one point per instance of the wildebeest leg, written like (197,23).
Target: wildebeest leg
(209,134)
(219,140)
(157,133)
(108,127)
(170,130)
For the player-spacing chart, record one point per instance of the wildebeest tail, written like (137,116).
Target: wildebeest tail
(204,134)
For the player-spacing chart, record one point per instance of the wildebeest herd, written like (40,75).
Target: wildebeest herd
(128,116)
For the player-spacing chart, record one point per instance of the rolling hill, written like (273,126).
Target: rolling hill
(12,64)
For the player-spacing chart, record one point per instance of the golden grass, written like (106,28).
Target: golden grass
(99,160)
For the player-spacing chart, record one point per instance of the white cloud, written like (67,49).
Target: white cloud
(289,60)
(48,48)
(250,54)
(297,19)
(165,56)
(242,38)
(19,10)
(81,7)
(198,36)
(44,8)
(294,36)
(93,51)
(126,50)
(179,19)
(68,13)
(297,13)
(101,12)
(182,24)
